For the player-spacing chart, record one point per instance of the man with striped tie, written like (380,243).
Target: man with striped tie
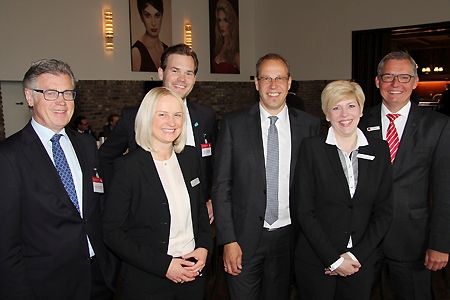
(418,240)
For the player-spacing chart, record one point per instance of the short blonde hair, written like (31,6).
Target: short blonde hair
(146,114)
(339,90)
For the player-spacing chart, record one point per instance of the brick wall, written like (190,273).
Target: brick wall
(97,99)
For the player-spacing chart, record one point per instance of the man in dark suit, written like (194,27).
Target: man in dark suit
(179,66)
(108,128)
(418,239)
(258,252)
(51,240)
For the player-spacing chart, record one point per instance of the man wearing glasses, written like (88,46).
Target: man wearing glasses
(418,240)
(51,237)
(255,220)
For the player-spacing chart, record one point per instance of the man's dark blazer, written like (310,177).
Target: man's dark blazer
(239,180)
(422,165)
(327,213)
(44,251)
(204,126)
(137,217)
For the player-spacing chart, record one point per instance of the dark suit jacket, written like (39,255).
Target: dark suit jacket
(204,125)
(107,130)
(137,217)
(239,180)
(44,252)
(422,165)
(328,215)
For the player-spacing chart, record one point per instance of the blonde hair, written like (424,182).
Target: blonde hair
(146,114)
(339,90)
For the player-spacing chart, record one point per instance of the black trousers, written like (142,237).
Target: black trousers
(268,273)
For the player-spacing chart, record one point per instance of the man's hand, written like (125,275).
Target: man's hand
(232,258)
(210,211)
(435,260)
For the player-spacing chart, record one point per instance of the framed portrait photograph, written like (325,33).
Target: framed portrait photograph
(224,36)
(150,33)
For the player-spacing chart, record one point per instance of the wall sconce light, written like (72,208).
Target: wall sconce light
(109,30)
(438,69)
(188,35)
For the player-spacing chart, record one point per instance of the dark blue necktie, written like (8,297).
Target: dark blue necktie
(62,166)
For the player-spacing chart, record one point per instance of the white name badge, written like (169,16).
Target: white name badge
(206,149)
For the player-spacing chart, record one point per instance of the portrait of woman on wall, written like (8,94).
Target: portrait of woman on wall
(147,45)
(224,34)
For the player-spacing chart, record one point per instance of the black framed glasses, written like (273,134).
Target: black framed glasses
(52,95)
(278,79)
(402,78)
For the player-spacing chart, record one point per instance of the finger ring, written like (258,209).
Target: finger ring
(225,267)
(181,280)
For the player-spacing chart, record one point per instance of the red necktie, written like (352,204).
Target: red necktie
(392,136)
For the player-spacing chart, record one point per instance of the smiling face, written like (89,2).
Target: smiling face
(224,25)
(344,117)
(395,94)
(167,122)
(54,115)
(272,95)
(152,20)
(179,74)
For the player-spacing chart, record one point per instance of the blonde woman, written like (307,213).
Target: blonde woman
(155,218)
(343,187)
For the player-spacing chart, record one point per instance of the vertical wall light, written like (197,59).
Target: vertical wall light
(188,35)
(109,29)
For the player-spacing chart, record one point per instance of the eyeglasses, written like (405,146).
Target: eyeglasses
(52,95)
(278,79)
(402,78)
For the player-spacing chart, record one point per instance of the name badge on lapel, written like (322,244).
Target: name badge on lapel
(195,182)
(365,156)
(97,183)
(373,128)
(206,148)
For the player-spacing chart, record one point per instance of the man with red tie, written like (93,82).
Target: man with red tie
(418,240)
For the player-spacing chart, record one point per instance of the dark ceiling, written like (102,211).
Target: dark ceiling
(420,38)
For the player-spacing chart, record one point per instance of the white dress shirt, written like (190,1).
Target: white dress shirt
(284,142)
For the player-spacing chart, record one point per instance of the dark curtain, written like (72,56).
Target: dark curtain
(368,48)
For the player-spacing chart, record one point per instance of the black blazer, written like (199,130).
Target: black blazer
(328,215)
(137,217)
(44,252)
(239,180)
(204,126)
(422,162)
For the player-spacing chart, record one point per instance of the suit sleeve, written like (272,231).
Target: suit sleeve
(131,245)
(222,186)
(13,280)
(382,211)
(440,177)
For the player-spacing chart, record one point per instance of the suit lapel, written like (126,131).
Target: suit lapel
(195,122)
(87,174)
(295,126)
(374,121)
(148,168)
(255,138)
(188,175)
(38,158)
(409,131)
(335,162)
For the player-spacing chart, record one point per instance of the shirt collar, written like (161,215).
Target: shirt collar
(282,115)
(44,133)
(404,111)
(360,141)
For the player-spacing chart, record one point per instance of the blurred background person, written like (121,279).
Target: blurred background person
(226,49)
(444,103)
(82,126)
(146,52)
(292,100)
(155,218)
(112,120)
(343,187)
